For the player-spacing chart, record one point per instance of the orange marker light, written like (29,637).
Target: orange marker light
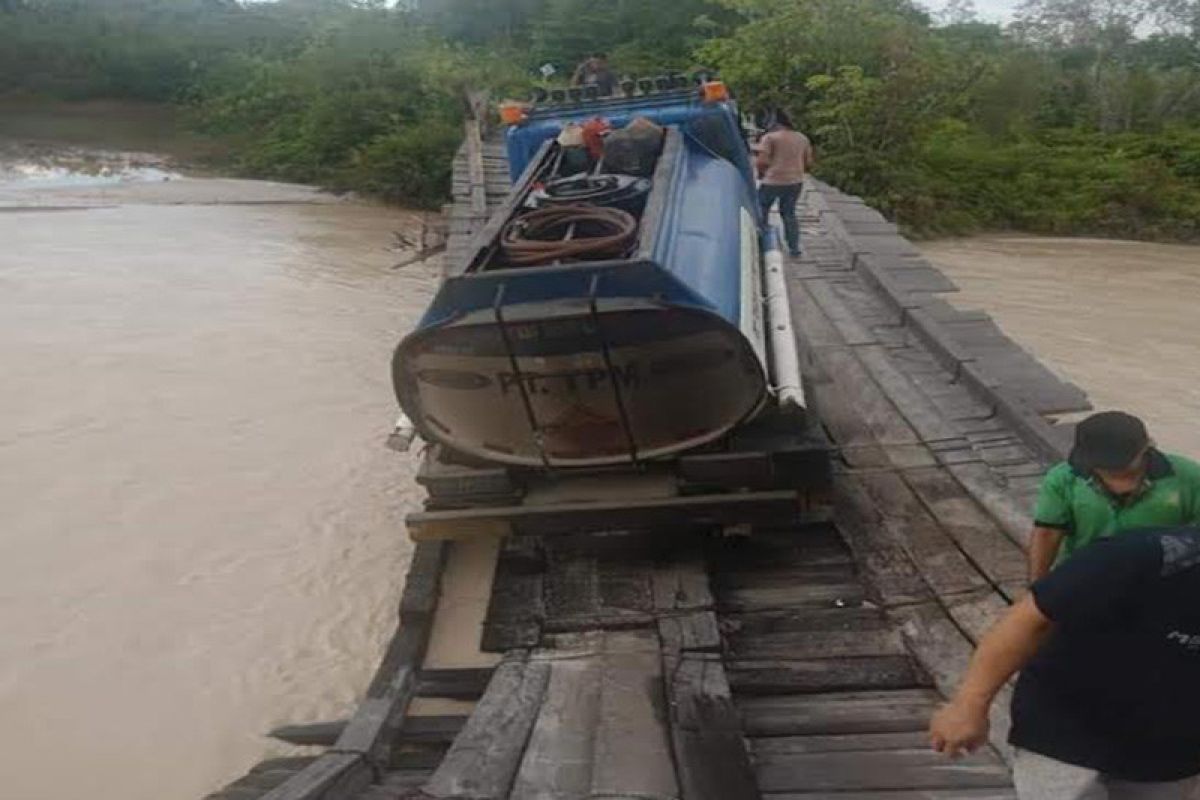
(714,91)
(513,113)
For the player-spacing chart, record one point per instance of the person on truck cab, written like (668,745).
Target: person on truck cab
(1108,647)
(1114,480)
(595,71)
(784,157)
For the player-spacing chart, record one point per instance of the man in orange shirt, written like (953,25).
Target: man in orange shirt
(784,157)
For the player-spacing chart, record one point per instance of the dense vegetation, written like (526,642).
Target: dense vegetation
(1081,116)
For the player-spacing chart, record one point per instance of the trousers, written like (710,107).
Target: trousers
(787,196)
(1041,778)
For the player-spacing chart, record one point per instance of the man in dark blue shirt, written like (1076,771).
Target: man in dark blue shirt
(1108,703)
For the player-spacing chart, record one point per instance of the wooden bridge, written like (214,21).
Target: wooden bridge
(799,662)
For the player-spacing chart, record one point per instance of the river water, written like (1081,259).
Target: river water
(1119,319)
(202,532)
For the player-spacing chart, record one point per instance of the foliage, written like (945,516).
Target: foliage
(1070,121)
(1080,116)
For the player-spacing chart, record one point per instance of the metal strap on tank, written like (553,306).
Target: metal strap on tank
(535,429)
(608,365)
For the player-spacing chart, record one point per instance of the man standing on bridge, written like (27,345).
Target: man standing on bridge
(595,71)
(1108,703)
(1114,480)
(784,157)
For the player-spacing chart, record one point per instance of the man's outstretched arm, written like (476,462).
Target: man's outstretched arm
(1044,543)
(962,724)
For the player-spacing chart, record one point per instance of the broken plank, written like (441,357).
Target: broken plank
(632,754)
(485,756)
(558,759)
(706,735)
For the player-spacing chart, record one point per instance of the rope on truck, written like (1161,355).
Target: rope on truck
(568,233)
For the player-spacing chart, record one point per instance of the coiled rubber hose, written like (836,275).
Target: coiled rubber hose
(538,237)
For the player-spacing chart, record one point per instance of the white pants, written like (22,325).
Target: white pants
(1041,778)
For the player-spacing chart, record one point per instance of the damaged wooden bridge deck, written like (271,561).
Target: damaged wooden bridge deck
(799,659)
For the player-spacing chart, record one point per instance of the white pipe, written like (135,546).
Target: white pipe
(785,361)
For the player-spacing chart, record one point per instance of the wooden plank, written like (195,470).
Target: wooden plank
(333,776)
(485,756)
(706,736)
(681,584)
(422,585)
(802,620)
(945,652)
(976,614)
(846,322)
(979,536)
(861,398)
(640,514)
(1015,520)
(310,734)
(437,729)
(474,153)
(515,608)
(831,674)
(468,683)
(841,712)
(879,770)
(368,733)
(696,630)
(828,595)
(784,575)
(816,644)
(881,557)
(936,556)
(916,408)
(839,743)
(909,794)
(773,546)
(632,754)
(558,759)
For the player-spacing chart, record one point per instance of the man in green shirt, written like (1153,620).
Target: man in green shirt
(1114,480)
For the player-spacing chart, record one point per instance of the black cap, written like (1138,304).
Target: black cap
(1108,440)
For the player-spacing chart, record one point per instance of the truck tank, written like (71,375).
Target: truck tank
(590,361)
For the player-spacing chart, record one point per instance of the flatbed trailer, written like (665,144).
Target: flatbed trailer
(797,655)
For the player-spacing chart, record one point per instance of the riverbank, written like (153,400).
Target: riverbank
(126,126)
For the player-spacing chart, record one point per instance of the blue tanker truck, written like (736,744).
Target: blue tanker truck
(622,313)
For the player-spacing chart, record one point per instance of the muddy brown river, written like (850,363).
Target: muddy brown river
(1118,319)
(202,531)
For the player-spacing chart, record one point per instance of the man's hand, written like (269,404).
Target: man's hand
(958,728)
